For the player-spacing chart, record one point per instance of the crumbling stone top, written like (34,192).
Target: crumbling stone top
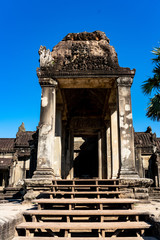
(81,53)
(86,36)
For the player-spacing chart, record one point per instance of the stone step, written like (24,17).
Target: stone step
(82,238)
(86,201)
(85,186)
(56,226)
(97,180)
(114,212)
(81,193)
(99,203)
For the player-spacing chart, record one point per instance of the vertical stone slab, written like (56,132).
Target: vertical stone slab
(114,140)
(45,155)
(58,143)
(63,161)
(126,134)
(71,173)
(99,155)
(108,149)
(104,163)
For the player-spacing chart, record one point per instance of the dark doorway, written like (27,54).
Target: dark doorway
(86,157)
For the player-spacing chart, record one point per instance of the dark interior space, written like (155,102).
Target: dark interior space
(86,162)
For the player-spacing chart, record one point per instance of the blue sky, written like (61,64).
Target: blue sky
(132,27)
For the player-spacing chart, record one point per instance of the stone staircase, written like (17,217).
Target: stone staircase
(84,209)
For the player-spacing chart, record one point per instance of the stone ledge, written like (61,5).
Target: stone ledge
(137,182)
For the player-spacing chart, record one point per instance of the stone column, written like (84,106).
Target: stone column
(45,155)
(104,162)
(63,162)
(58,142)
(114,141)
(71,154)
(108,149)
(99,155)
(126,134)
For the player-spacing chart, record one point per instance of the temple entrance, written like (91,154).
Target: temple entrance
(86,157)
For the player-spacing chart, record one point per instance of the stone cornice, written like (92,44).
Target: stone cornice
(47,72)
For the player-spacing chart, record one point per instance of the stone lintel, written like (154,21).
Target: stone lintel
(49,73)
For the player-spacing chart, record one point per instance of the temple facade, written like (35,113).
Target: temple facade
(85,128)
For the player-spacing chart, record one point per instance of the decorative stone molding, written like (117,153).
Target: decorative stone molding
(82,123)
(124,81)
(48,82)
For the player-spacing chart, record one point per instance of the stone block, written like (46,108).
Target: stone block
(141,195)
(141,190)
(30,195)
(137,182)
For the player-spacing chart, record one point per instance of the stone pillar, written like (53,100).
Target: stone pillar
(71,173)
(45,155)
(108,149)
(126,134)
(63,162)
(104,162)
(114,140)
(58,143)
(99,156)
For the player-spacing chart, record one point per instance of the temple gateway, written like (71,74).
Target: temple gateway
(85,127)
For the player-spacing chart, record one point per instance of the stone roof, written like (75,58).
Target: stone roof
(23,138)
(5,163)
(144,139)
(81,53)
(7,144)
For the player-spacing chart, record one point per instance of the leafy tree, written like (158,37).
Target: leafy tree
(152,85)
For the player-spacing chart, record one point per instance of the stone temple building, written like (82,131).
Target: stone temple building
(85,128)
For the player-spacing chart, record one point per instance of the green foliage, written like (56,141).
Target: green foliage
(151,85)
(153,110)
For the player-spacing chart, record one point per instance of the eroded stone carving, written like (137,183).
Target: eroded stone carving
(45,57)
(80,52)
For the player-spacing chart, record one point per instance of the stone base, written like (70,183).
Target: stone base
(137,182)
(44,173)
(34,186)
(128,174)
(135,188)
